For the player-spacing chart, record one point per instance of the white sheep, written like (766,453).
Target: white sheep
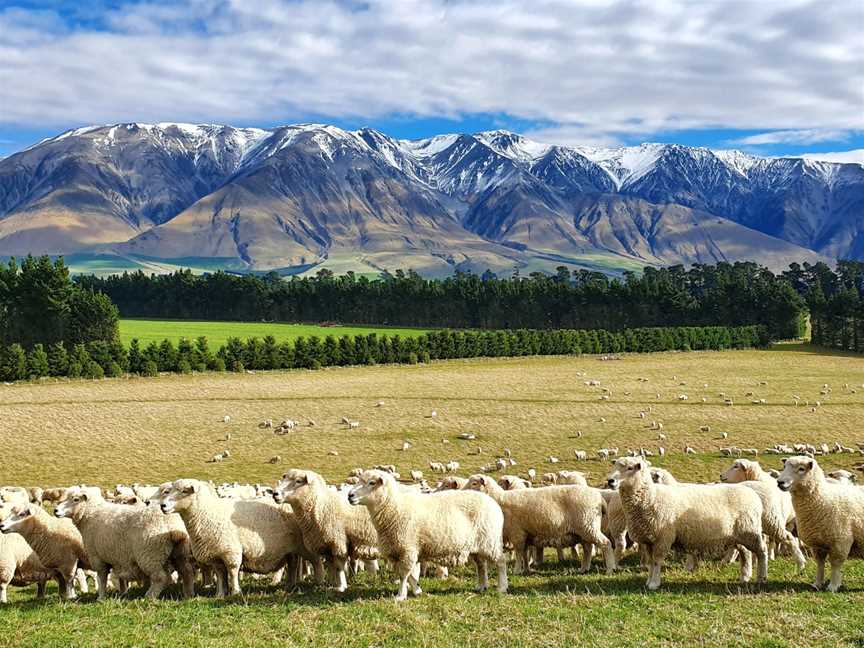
(57,542)
(581,455)
(135,542)
(20,565)
(512,482)
(452,466)
(451,482)
(448,527)
(829,517)
(553,516)
(695,517)
(227,535)
(330,527)
(777,511)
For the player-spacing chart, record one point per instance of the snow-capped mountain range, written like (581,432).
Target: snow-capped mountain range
(309,195)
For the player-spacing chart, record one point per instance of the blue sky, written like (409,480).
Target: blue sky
(771,78)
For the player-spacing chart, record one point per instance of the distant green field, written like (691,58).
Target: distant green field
(217,333)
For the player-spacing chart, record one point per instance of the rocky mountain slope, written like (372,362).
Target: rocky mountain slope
(310,195)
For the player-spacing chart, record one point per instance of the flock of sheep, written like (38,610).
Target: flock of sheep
(303,528)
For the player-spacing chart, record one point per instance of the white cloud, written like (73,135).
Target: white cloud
(801,136)
(597,69)
(844,157)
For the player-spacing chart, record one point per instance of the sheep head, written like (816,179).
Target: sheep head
(296,484)
(372,487)
(178,495)
(17,516)
(799,471)
(70,506)
(628,469)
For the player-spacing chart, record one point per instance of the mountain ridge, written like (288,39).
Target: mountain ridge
(304,195)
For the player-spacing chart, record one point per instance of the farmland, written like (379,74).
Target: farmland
(149,430)
(217,333)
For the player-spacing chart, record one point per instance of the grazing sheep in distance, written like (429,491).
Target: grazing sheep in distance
(694,517)
(446,528)
(581,455)
(829,517)
(452,466)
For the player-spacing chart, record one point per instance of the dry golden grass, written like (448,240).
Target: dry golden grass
(150,430)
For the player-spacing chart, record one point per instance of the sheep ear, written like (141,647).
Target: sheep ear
(810,465)
(192,488)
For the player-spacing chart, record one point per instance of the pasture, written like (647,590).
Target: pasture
(217,333)
(150,430)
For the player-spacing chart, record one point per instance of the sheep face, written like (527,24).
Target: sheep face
(798,470)
(628,468)
(16,517)
(479,483)
(842,476)
(71,505)
(5,510)
(739,471)
(509,482)
(292,485)
(370,489)
(449,483)
(177,495)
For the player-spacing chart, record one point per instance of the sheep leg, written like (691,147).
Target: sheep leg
(601,540)
(102,582)
(277,576)
(3,597)
(761,561)
(233,573)
(415,580)
(791,542)
(538,555)
(66,585)
(731,556)
(657,552)
(159,580)
(371,567)
(560,551)
(502,575)
(318,568)
(837,556)
(40,589)
(482,574)
(221,581)
(745,558)
(404,568)
(587,555)
(691,563)
(122,586)
(337,572)
(81,581)
(820,556)
(187,574)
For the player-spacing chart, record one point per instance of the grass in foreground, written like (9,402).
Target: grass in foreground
(217,333)
(149,430)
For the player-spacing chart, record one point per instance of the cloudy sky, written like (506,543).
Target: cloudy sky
(768,76)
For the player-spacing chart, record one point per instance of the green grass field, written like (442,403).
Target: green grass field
(217,333)
(150,430)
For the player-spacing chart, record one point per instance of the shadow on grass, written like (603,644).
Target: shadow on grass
(555,579)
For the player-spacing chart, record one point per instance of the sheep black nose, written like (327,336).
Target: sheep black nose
(610,483)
